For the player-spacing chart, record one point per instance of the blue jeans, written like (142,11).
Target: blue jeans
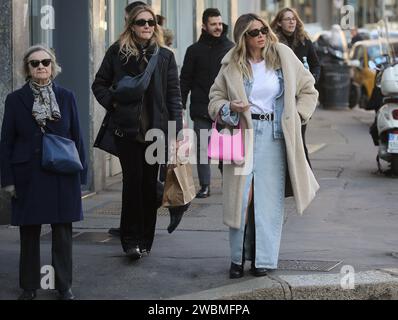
(259,239)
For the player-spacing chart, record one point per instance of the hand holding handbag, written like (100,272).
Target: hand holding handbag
(226,146)
(59,154)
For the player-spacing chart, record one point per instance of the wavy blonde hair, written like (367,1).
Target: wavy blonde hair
(299,34)
(241,53)
(128,39)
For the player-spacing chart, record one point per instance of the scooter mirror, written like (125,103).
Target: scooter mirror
(373,66)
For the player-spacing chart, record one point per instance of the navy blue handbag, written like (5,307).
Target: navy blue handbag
(60,154)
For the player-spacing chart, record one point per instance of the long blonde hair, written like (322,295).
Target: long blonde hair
(300,35)
(128,39)
(241,54)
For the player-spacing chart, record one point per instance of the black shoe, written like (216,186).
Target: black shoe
(114,232)
(236,271)
(176,214)
(134,253)
(258,272)
(66,295)
(175,220)
(204,192)
(145,252)
(27,295)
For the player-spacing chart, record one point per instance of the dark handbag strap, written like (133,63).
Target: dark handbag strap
(45,129)
(42,130)
(150,68)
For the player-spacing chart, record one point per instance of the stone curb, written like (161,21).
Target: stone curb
(369,285)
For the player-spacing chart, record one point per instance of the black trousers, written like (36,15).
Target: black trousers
(303,131)
(139,205)
(29,268)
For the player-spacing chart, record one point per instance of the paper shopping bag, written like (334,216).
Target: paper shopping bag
(179,188)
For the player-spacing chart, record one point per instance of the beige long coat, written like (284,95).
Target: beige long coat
(300,98)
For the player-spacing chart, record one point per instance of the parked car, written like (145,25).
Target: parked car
(362,61)
(374,34)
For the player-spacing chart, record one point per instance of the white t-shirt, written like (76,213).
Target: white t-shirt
(265,88)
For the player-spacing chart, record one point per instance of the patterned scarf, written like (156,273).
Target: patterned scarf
(45,106)
(145,52)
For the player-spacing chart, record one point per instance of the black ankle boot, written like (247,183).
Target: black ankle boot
(176,214)
(236,271)
(66,295)
(258,272)
(134,253)
(28,295)
(114,232)
(204,192)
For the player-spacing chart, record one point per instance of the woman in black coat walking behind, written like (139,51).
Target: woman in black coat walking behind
(160,103)
(40,196)
(290,30)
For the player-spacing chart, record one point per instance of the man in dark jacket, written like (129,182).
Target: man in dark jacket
(201,66)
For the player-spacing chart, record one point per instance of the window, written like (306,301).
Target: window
(42,22)
(114,19)
(170,11)
(379,50)
(268,9)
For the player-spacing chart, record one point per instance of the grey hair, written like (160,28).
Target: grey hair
(55,67)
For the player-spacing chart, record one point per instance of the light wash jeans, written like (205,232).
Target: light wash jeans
(261,236)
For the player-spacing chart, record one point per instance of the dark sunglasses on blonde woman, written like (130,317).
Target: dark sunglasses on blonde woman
(36,63)
(143,22)
(256,32)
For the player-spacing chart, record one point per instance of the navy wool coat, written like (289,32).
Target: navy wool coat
(42,197)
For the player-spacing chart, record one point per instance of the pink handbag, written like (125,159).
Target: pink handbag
(226,147)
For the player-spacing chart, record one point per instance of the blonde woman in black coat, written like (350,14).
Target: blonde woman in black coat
(140,42)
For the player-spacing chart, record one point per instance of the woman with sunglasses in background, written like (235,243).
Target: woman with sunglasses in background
(263,87)
(290,30)
(140,42)
(38,195)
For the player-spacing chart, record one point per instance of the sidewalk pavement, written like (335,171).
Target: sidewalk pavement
(350,228)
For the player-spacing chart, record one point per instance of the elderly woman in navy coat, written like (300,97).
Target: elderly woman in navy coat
(38,196)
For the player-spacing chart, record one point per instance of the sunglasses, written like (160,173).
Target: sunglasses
(143,22)
(36,63)
(289,19)
(256,32)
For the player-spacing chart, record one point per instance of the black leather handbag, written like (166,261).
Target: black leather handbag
(125,119)
(106,134)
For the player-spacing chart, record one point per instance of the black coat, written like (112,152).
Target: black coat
(304,49)
(42,197)
(202,64)
(164,96)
